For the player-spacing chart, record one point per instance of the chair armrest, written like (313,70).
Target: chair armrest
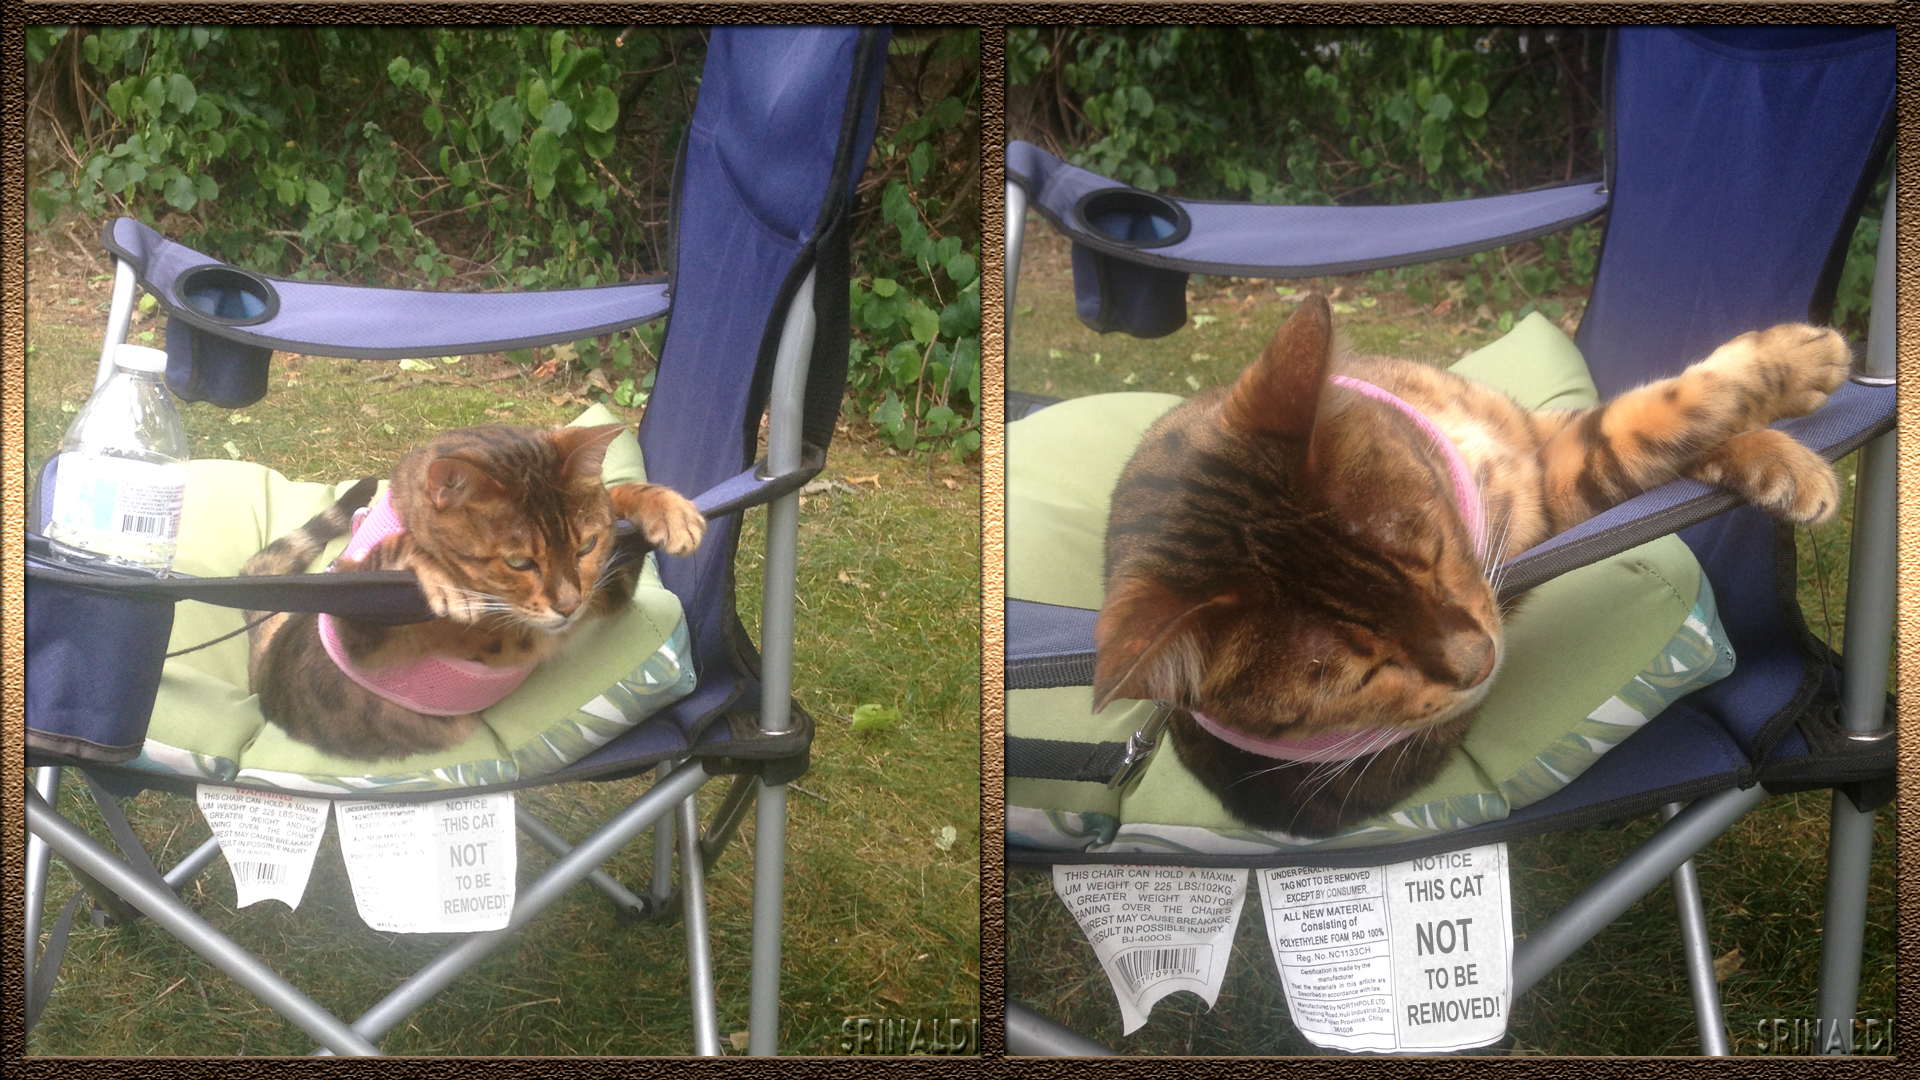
(1853,416)
(1253,240)
(755,487)
(323,319)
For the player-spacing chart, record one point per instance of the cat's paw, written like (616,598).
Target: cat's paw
(668,519)
(449,601)
(1793,366)
(1772,471)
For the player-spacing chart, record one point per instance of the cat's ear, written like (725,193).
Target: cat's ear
(1149,641)
(455,482)
(584,449)
(1279,392)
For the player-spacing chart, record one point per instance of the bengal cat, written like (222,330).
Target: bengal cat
(1301,564)
(510,533)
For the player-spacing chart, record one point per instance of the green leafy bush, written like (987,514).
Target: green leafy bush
(915,366)
(1314,114)
(1349,116)
(522,157)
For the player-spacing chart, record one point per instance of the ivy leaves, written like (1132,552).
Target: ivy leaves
(924,360)
(914,365)
(226,124)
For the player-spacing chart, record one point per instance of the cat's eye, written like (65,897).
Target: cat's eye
(588,546)
(518,562)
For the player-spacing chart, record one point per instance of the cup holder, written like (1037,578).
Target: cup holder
(1133,218)
(203,362)
(228,294)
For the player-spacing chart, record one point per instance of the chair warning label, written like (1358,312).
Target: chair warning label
(1156,929)
(268,839)
(1415,956)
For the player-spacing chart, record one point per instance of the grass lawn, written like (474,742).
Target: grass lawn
(882,905)
(1625,992)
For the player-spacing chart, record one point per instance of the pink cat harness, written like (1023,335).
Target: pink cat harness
(1358,742)
(430,685)
(1466,490)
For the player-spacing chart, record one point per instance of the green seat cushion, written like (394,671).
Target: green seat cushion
(207,725)
(1592,655)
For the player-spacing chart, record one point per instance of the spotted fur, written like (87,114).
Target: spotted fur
(509,532)
(1286,556)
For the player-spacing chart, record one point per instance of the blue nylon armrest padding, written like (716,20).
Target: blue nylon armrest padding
(1252,240)
(322,319)
(732,492)
(1048,645)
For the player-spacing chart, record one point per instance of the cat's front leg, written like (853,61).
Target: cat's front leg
(668,519)
(445,598)
(1707,422)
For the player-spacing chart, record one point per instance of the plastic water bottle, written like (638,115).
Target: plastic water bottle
(122,470)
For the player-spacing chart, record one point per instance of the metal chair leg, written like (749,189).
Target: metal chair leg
(626,904)
(1031,1034)
(566,872)
(1712,1023)
(1016,232)
(1629,880)
(693,900)
(661,890)
(191,867)
(166,910)
(46,781)
(776,665)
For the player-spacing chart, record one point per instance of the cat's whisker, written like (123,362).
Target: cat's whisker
(1493,560)
(1322,786)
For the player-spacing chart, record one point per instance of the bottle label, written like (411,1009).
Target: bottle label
(119,497)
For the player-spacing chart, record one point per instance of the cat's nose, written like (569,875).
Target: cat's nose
(566,600)
(1470,657)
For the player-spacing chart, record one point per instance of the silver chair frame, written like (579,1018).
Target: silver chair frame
(125,891)
(1689,829)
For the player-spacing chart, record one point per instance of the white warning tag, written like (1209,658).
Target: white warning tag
(431,868)
(1156,929)
(1416,956)
(268,839)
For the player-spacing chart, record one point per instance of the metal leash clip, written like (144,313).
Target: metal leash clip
(1141,744)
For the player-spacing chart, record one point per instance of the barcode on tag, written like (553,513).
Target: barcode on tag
(1143,966)
(251,872)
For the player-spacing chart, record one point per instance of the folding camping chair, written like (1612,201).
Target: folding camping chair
(1737,163)
(757,284)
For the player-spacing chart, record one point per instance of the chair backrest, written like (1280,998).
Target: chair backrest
(1739,158)
(764,189)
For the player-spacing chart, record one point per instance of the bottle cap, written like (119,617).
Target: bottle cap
(140,358)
